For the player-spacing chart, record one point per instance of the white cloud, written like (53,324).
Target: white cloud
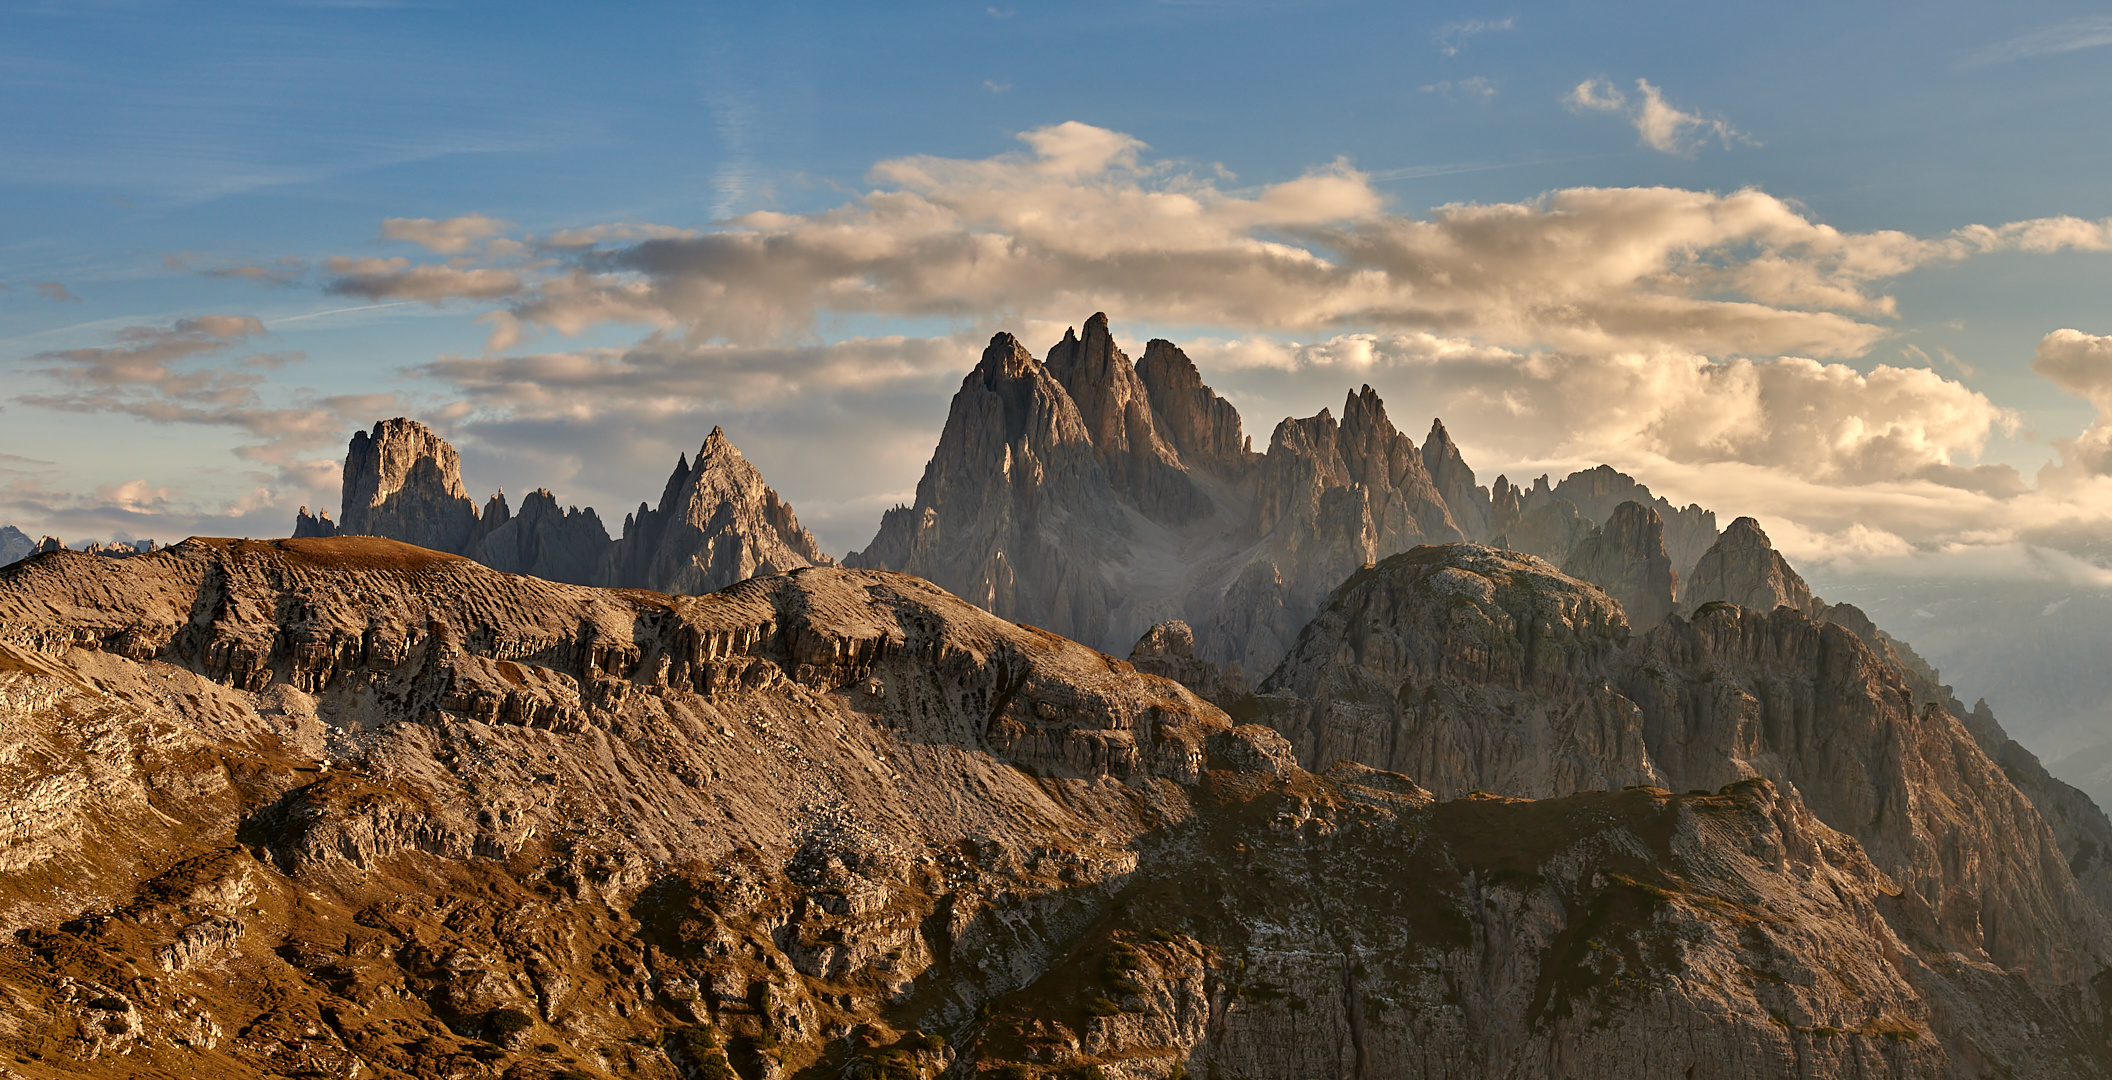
(1660,125)
(1083,220)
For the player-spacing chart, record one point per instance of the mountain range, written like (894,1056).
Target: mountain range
(1557,781)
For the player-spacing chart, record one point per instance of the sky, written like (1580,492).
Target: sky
(1847,268)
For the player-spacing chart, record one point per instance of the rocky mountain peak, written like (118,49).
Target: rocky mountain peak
(1743,568)
(1202,427)
(403,481)
(1627,558)
(1468,501)
(1117,412)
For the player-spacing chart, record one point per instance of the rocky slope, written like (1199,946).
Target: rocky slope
(345,807)
(717,522)
(1472,668)
(1098,499)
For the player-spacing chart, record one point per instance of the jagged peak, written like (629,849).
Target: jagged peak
(1364,406)
(1004,358)
(717,445)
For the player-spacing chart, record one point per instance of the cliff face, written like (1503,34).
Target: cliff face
(347,807)
(1743,568)
(1627,559)
(404,482)
(1099,500)
(1467,667)
(15,545)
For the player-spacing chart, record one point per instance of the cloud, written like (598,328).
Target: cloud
(1082,220)
(1660,125)
(1478,88)
(1826,422)
(451,236)
(2085,33)
(996,87)
(1450,35)
(386,279)
(55,292)
(2081,364)
(150,373)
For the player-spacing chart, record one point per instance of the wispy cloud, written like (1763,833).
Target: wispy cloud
(996,87)
(2086,33)
(1661,125)
(1477,89)
(1450,35)
(56,292)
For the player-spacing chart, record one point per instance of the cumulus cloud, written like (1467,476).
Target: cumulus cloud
(1828,423)
(1660,125)
(451,236)
(1084,219)
(2081,364)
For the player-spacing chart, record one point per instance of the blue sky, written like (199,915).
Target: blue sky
(165,163)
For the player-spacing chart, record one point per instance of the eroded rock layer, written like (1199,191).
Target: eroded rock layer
(344,807)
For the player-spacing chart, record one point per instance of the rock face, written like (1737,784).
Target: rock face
(1627,559)
(15,545)
(543,540)
(717,522)
(306,525)
(1743,568)
(1469,667)
(1597,493)
(1168,651)
(404,482)
(1098,500)
(347,807)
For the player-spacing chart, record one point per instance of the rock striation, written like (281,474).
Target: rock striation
(717,522)
(342,806)
(1098,499)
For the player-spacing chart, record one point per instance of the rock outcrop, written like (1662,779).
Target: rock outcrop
(1099,500)
(1168,651)
(347,807)
(1597,493)
(1203,427)
(1627,559)
(717,522)
(543,540)
(306,525)
(404,482)
(1743,568)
